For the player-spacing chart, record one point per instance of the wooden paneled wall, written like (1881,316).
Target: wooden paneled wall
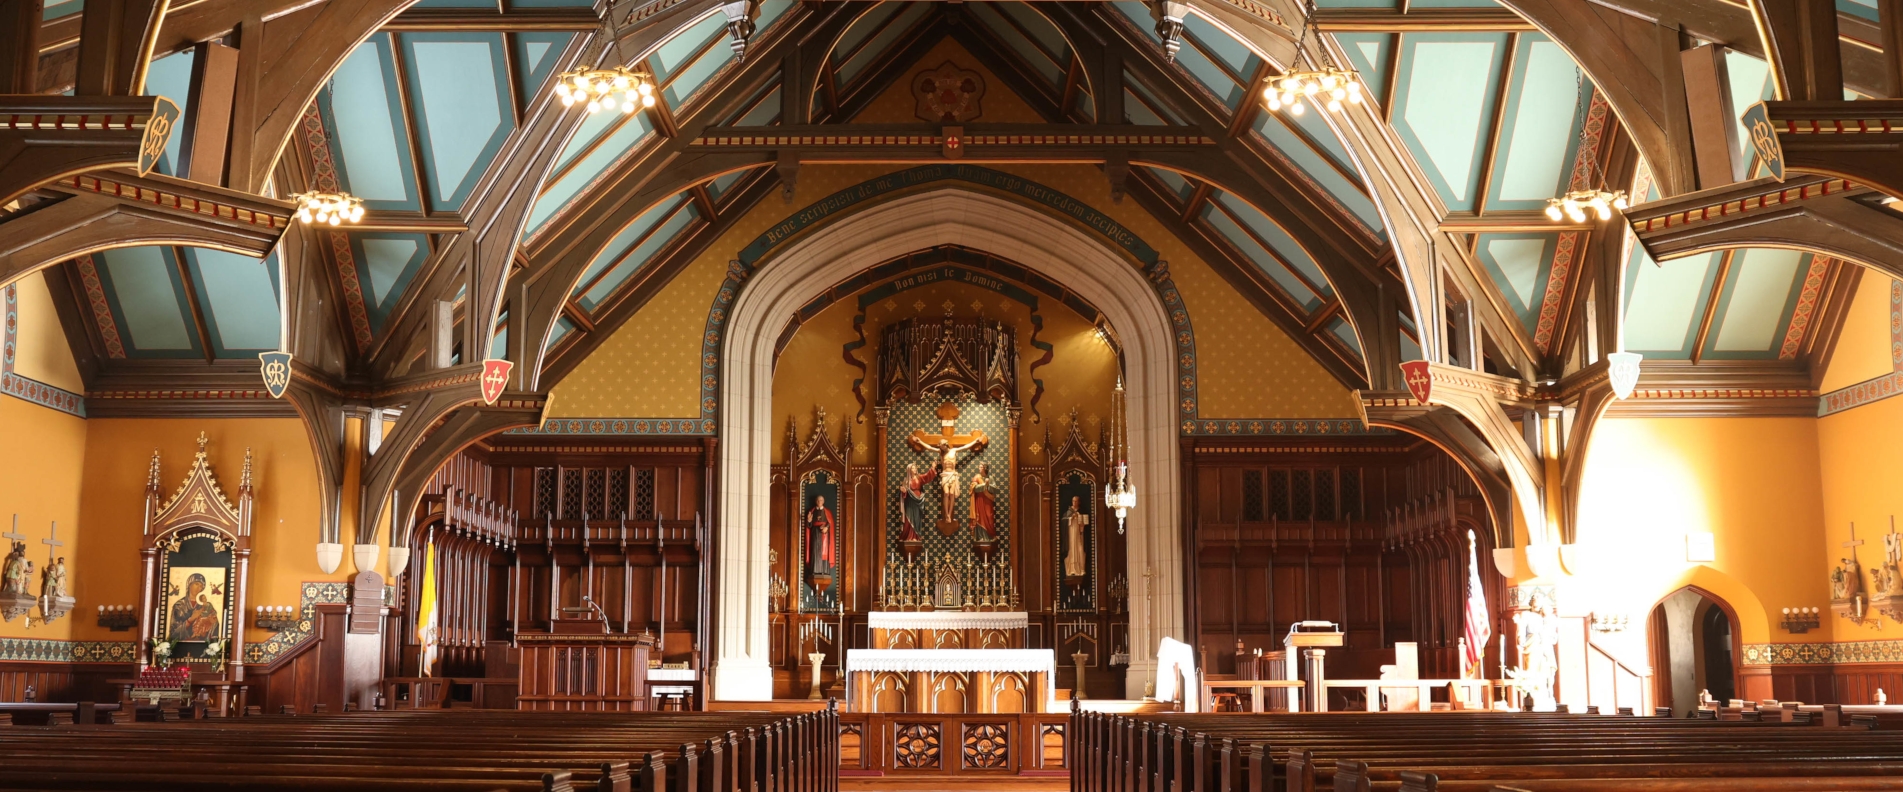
(1367,532)
(61,681)
(1847,683)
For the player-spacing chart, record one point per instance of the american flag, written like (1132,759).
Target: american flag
(1479,626)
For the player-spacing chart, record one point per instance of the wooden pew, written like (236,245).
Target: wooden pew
(465,749)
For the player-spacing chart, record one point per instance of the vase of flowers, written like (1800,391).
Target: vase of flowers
(215,652)
(161,653)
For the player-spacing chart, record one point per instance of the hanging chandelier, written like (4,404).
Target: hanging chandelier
(1120,495)
(1576,203)
(597,88)
(333,208)
(1328,86)
(1573,205)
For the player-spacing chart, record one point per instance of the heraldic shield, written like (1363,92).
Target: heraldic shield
(276,368)
(1419,379)
(495,377)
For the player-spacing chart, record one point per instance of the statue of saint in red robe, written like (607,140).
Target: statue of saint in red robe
(912,500)
(984,504)
(821,553)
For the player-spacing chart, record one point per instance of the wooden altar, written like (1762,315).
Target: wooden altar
(950,680)
(579,667)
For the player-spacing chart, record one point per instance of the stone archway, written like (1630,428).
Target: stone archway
(782,281)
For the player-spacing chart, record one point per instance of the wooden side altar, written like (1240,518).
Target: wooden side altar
(580,667)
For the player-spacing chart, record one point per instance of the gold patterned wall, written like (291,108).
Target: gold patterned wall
(1247,367)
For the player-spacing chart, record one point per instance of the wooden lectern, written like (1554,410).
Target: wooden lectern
(1310,640)
(576,667)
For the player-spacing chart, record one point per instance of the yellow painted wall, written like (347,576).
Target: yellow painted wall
(1863,346)
(1861,452)
(40,474)
(284,525)
(1750,481)
(1247,367)
(43,354)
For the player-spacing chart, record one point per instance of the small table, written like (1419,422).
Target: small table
(1257,696)
(667,684)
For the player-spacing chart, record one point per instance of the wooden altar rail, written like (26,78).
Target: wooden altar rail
(434,692)
(1477,693)
(467,750)
(1416,752)
(963,744)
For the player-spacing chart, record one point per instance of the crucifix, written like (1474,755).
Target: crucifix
(947,444)
(15,535)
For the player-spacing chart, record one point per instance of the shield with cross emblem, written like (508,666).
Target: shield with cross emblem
(1419,379)
(495,377)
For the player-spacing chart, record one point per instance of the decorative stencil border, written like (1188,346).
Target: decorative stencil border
(1279,427)
(36,650)
(1557,276)
(1154,268)
(324,175)
(26,388)
(620,426)
(314,593)
(1866,392)
(1824,653)
(1806,307)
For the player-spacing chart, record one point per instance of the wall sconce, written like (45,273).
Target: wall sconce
(118,618)
(276,618)
(1609,623)
(1800,620)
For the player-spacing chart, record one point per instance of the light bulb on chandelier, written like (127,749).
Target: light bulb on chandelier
(596,89)
(1575,204)
(330,208)
(1330,88)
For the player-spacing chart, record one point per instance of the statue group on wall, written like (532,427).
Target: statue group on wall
(16,580)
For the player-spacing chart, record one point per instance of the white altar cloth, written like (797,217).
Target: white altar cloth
(948,620)
(960,661)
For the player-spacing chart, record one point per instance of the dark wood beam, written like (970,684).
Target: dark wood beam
(1819,214)
(515,20)
(43,138)
(1418,20)
(20,47)
(1861,141)
(116,45)
(115,209)
(1805,55)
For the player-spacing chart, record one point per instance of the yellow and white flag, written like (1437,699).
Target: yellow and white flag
(426,614)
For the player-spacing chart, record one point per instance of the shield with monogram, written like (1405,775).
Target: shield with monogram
(1419,379)
(158,130)
(276,368)
(495,377)
(1757,121)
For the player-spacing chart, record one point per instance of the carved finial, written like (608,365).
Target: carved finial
(202,440)
(740,25)
(152,475)
(1169,25)
(244,478)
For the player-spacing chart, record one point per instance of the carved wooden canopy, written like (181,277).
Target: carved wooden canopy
(198,501)
(950,356)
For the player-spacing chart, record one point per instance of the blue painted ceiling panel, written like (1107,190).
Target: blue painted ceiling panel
(1519,264)
(143,288)
(1755,306)
(365,120)
(535,55)
(386,263)
(662,225)
(459,83)
(1539,136)
(1447,86)
(239,295)
(1664,303)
